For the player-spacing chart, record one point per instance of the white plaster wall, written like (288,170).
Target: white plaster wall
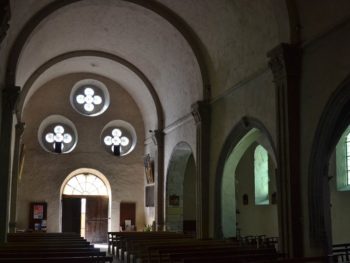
(185,132)
(244,32)
(44,173)
(21,12)
(189,208)
(150,212)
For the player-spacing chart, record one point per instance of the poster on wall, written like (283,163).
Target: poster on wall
(38,212)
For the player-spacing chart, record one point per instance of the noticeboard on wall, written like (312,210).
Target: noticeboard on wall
(38,216)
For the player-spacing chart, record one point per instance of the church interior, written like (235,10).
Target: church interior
(225,120)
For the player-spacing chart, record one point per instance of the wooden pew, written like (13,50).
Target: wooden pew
(169,255)
(341,252)
(117,241)
(115,237)
(54,247)
(56,260)
(46,254)
(133,244)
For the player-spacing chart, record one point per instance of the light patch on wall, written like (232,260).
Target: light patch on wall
(261,176)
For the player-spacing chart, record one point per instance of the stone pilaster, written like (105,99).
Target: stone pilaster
(158,138)
(285,65)
(5,15)
(201,114)
(15,174)
(9,97)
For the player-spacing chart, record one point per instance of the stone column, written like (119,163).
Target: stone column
(285,65)
(5,16)
(201,114)
(9,97)
(158,137)
(15,174)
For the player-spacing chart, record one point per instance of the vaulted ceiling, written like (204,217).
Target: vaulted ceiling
(166,54)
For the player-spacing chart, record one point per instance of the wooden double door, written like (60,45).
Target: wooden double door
(96,216)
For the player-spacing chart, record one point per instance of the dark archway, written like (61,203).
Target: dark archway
(246,127)
(334,120)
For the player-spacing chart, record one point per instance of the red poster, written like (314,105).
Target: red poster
(38,212)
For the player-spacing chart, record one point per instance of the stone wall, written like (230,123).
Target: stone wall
(44,172)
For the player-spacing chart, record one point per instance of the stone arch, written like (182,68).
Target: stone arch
(180,185)
(74,54)
(334,120)
(246,131)
(172,18)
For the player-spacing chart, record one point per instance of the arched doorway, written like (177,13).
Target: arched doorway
(323,194)
(85,196)
(246,189)
(181,190)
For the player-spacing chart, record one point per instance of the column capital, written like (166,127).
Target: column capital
(10,96)
(157,137)
(200,111)
(284,61)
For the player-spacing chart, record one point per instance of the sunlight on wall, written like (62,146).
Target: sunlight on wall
(261,176)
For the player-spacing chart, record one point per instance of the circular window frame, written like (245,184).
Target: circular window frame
(52,121)
(99,89)
(124,127)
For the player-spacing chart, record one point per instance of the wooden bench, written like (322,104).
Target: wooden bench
(117,241)
(57,260)
(341,252)
(54,247)
(167,255)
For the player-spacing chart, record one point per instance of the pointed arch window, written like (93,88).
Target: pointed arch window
(85,184)
(343,161)
(348,157)
(261,175)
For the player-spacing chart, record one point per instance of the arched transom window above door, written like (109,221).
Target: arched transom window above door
(89,97)
(85,184)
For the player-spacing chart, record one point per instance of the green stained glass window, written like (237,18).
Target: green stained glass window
(261,176)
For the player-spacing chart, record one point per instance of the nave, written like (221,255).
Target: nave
(220,126)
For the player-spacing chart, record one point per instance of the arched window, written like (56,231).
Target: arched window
(343,161)
(85,184)
(348,157)
(261,176)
